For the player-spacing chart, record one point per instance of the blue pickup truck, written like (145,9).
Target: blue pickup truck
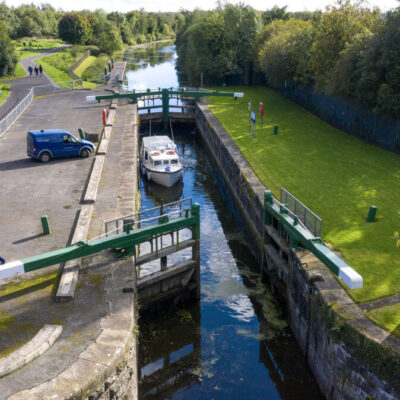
(53,143)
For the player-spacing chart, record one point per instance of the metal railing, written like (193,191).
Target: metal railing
(16,112)
(149,217)
(77,63)
(303,213)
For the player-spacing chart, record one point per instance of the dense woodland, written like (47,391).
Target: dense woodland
(348,51)
(103,32)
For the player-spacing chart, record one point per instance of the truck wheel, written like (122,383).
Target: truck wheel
(45,157)
(85,153)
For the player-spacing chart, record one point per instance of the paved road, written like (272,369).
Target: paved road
(30,188)
(21,86)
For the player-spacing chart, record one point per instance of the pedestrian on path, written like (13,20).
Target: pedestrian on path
(36,70)
(40,69)
(30,69)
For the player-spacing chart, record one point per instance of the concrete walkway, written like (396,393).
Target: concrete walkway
(21,86)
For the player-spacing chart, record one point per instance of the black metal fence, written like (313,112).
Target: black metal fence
(371,127)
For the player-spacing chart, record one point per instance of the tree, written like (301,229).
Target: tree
(275,13)
(109,40)
(8,60)
(347,67)
(388,101)
(218,43)
(334,31)
(284,54)
(75,28)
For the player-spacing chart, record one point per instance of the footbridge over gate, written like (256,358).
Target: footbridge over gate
(147,236)
(166,104)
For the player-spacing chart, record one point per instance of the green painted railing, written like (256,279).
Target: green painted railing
(126,241)
(164,94)
(299,236)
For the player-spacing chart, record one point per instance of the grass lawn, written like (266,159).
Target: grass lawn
(37,43)
(5,91)
(388,316)
(87,63)
(56,66)
(335,174)
(81,69)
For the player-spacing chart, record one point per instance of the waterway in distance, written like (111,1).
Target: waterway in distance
(234,343)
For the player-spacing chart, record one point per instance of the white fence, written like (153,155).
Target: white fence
(15,113)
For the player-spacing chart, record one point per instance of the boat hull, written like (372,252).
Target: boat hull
(167,179)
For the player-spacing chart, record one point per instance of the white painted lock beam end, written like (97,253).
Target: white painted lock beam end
(10,269)
(351,278)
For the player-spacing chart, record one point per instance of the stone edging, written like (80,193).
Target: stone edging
(40,343)
(69,277)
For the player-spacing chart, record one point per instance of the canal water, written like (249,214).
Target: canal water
(234,343)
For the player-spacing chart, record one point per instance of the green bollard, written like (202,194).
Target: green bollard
(81,134)
(275,129)
(371,214)
(45,225)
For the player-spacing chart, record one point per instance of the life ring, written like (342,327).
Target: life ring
(155,153)
(170,153)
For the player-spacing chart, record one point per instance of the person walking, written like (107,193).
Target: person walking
(41,69)
(36,70)
(30,69)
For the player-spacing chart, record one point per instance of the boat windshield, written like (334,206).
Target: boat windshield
(174,161)
(165,162)
(157,162)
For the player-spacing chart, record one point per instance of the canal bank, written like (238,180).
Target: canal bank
(349,356)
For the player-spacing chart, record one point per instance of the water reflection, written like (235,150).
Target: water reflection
(151,67)
(177,361)
(161,194)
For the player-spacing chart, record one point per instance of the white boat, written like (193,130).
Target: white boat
(159,161)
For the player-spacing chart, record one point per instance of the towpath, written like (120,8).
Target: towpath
(21,86)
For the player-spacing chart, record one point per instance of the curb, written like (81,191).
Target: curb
(40,343)
(70,274)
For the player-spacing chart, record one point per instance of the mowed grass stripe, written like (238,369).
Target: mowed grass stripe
(85,64)
(336,175)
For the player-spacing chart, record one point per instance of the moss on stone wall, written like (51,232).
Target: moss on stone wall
(376,357)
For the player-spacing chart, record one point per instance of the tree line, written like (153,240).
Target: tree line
(104,32)
(349,51)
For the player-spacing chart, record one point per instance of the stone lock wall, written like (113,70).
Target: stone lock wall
(351,358)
